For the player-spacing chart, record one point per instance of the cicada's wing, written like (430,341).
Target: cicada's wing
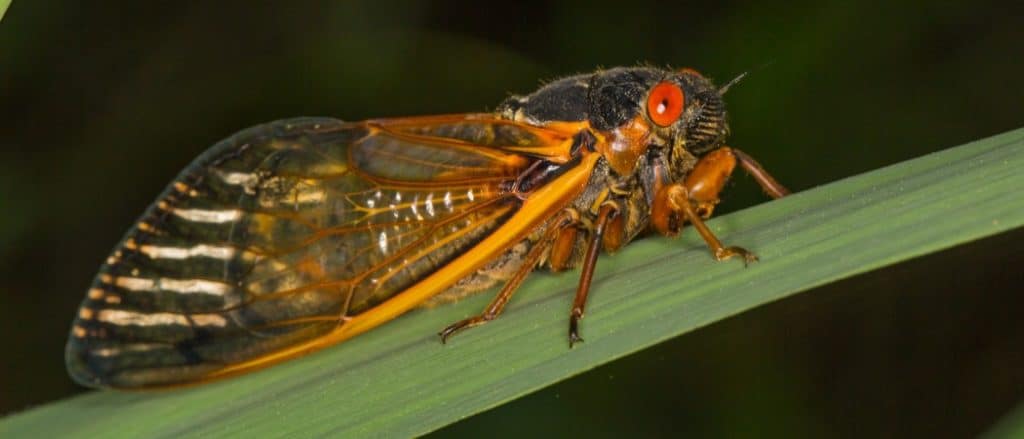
(286,231)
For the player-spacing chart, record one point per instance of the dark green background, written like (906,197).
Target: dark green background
(102,105)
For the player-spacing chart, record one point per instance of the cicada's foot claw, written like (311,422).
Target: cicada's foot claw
(728,252)
(574,333)
(460,325)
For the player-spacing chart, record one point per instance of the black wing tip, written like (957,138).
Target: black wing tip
(78,360)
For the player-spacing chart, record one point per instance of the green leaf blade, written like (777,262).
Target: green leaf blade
(399,380)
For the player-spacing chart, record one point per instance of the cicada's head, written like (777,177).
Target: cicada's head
(670,116)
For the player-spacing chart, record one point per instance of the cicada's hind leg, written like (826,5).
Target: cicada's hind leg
(566,220)
(697,196)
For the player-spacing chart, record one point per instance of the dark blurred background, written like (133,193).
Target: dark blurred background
(103,104)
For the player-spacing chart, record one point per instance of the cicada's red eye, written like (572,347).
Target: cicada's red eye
(665,103)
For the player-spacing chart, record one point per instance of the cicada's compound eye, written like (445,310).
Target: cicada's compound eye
(665,103)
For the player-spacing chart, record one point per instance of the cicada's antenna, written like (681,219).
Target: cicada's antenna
(738,78)
(725,88)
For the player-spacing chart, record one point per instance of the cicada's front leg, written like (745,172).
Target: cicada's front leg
(708,178)
(695,199)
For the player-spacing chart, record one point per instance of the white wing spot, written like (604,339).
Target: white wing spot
(429,204)
(135,347)
(246,180)
(182,286)
(209,216)
(120,317)
(382,242)
(201,250)
(415,211)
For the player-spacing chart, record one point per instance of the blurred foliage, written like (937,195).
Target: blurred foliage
(1010,426)
(103,103)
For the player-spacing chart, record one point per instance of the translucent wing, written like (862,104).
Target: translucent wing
(286,231)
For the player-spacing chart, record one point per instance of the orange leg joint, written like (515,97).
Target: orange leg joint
(708,178)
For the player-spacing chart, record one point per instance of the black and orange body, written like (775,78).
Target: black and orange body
(292,236)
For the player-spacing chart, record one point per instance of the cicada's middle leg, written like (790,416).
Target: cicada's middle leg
(606,219)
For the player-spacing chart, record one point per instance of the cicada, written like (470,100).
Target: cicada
(295,235)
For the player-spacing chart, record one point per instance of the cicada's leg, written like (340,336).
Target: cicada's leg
(709,175)
(763,178)
(564,243)
(678,199)
(566,219)
(697,196)
(608,212)
(707,179)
